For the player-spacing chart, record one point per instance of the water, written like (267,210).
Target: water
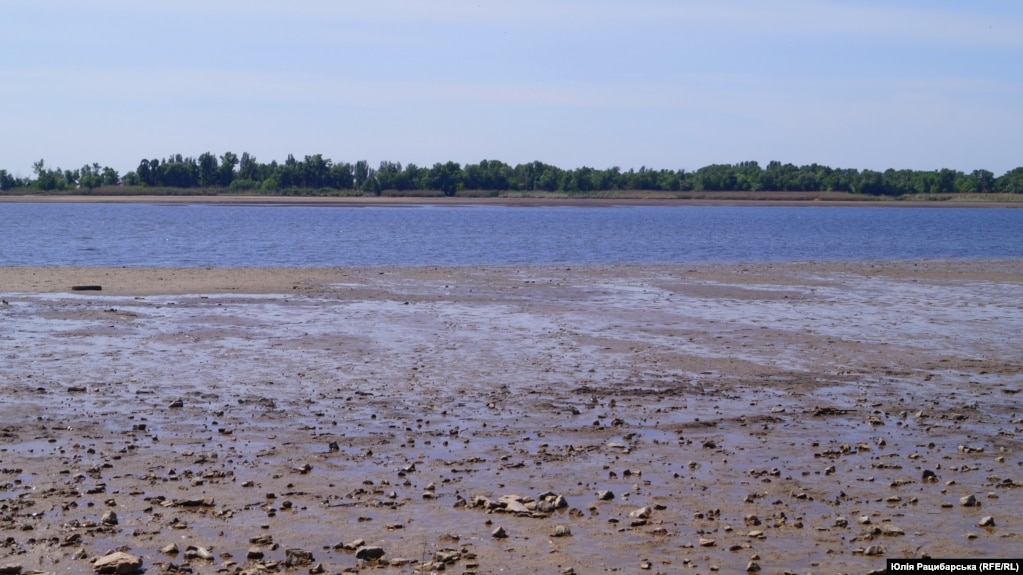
(198,235)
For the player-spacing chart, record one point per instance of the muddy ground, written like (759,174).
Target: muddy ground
(809,417)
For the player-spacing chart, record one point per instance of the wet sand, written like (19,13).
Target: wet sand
(792,415)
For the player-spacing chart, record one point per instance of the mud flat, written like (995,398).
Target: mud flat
(807,417)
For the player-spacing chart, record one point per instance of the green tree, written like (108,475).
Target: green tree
(1010,182)
(109,177)
(445,177)
(7,181)
(227,164)
(208,170)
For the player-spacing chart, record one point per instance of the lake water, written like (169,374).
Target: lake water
(196,235)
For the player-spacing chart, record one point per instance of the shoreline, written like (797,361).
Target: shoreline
(128,280)
(362,201)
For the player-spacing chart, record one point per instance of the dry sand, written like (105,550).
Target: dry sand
(784,414)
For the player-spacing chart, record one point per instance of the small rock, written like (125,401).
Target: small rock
(605,495)
(499,533)
(369,553)
(874,551)
(986,521)
(109,518)
(354,545)
(170,549)
(561,531)
(641,513)
(968,501)
(295,557)
(707,542)
(12,569)
(118,563)
(254,553)
(752,566)
(891,530)
(177,403)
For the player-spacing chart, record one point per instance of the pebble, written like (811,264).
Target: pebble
(986,521)
(294,557)
(109,518)
(118,563)
(169,549)
(369,553)
(605,495)
(561,531)
(891,530)
(752,566)
(641,513)
(968,501)
(499,533)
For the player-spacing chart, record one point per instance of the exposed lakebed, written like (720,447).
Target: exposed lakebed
(777,413)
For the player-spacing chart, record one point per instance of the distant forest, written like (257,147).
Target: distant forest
(316,175)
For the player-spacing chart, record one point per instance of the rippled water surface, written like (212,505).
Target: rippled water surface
(224,235)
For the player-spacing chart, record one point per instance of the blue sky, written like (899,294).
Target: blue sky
(920,84)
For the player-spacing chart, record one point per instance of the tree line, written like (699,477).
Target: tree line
(316,174)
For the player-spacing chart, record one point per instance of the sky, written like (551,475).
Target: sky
(673,84)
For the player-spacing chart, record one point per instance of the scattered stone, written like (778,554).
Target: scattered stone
(254,553)
(641,513)
(969,501)
(561,531)
(369,553)
(874,551)
(499,533)
(929,476)
(891,530)
(296,557)
(752,567)
(197,502)
(605,495)
(177,403)
(12,569)
(170,549)
(707,542)
(986,521)
(261,539)
(118,563)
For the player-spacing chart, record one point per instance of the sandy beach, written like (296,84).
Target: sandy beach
(792,418)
